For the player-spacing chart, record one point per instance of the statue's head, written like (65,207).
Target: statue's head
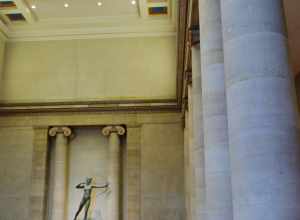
(88,180)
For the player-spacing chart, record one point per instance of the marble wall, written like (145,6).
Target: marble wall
(91,69)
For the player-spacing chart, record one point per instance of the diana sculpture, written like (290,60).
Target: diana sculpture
(86,198)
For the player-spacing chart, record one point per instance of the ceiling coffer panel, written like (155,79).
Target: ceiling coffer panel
(158,7)
(7,5)
(15,11)
(16,17)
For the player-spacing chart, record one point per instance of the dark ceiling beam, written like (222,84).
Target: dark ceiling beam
(191,33)
(182,28)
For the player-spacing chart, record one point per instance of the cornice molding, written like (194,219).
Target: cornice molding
(70,32)
(3,31)
(3,36)
(83,35)
(100,106)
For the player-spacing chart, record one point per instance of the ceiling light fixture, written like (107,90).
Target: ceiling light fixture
(133,2)
(66,5)
(99,3)
(33,6)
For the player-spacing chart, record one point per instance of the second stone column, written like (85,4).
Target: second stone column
(114,172)
(217,167)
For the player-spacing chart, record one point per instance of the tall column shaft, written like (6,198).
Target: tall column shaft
(60,177)
(114,170)
(60,172)
(217,163)
(263,130)
(197,156)
(114,176)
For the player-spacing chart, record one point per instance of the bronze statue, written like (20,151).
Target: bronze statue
(86,199)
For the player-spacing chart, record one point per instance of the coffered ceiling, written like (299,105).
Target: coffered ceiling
(54,9)
(73,19)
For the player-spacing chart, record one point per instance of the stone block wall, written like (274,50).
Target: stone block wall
(15,172)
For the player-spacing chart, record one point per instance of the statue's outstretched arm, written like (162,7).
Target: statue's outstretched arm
(80,186)
(101,186)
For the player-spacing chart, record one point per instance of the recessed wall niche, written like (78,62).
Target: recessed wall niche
(87,156)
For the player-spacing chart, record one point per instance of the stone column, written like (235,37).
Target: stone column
(114,172)
(60,172)
(217,163)
(197,155)
(262,121)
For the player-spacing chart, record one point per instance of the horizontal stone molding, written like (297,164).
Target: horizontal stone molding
(91,106)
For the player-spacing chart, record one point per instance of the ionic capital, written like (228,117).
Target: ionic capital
(64,130)
(113,129)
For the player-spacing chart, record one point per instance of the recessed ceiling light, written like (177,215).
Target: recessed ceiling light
(99,3)
(33,6)
(66,5)
(133,2)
